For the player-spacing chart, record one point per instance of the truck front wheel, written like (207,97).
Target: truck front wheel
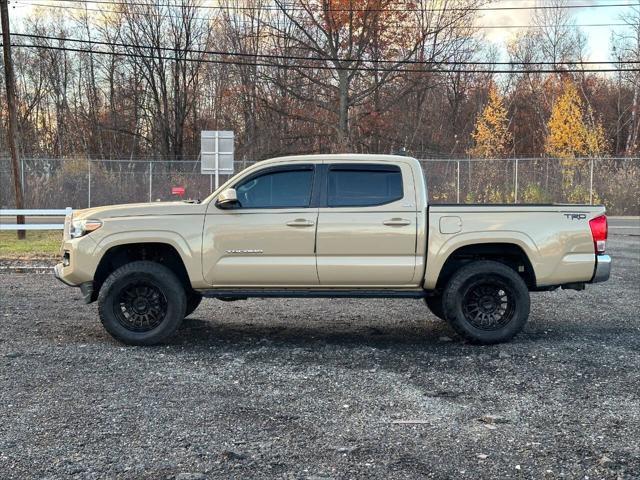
(142,303)
(486,302)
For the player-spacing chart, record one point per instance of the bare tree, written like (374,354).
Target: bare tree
(343,52)
(626,47)
(164,42)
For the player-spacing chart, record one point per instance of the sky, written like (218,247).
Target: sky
(598,38)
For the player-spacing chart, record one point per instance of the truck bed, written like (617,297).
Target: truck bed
(555,238)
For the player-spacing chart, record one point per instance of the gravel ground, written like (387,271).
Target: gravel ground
(322,389)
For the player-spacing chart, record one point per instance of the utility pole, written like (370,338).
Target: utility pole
(13,119)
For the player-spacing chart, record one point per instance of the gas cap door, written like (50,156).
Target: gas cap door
(450,224)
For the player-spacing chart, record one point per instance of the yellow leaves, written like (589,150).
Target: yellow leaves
(573,134)
(491,135)
(570,135)
(488,193)
(580,194)
(534,193)
(595,140)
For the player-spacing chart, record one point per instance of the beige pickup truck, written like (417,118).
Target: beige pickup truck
(329,226)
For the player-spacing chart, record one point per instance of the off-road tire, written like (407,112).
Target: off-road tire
(434,304)
(134,286)
(473,290)
(193,301)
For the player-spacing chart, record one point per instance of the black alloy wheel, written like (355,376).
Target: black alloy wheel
(141,306)
(486,302)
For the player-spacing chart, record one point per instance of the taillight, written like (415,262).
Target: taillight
(599,230)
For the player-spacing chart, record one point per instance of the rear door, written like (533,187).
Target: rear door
(367,225)
(269,238)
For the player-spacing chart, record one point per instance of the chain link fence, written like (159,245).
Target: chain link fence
(83,182)
(614,182)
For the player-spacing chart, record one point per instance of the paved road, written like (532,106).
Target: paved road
(624,225)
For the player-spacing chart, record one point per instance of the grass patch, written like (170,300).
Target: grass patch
(38,244)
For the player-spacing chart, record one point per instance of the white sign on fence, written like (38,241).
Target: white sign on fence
(216,153)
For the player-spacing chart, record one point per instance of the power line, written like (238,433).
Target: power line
(320,67)
(315,59)
(287,7)
(568,25)
(166,15)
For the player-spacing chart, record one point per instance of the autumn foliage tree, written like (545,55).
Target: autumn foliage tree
(491,136)
(570,134)
(491,139)
(573,133)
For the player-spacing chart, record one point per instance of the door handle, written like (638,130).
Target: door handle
(394,222)
(300,222)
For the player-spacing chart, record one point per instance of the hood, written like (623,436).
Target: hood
(141,209)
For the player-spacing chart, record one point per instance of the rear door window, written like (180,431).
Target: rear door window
(365,185)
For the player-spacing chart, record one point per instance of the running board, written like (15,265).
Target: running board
(310,293)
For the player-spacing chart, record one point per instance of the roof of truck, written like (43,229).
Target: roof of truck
(356,157)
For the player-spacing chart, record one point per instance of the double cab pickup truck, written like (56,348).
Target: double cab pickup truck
(329,226)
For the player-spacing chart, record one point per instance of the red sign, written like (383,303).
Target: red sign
(177,191)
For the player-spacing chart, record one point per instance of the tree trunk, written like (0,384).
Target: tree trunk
(633,128)
(343,110)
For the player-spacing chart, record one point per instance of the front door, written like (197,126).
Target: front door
(268,238)
(367,225)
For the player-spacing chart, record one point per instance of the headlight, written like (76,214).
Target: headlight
(82,227)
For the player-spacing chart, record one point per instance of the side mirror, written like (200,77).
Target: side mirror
(227,198)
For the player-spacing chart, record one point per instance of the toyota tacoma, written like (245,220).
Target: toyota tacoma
(329,226)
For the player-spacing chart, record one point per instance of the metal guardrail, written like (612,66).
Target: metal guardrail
(33,213)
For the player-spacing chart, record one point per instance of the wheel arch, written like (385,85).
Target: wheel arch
(156,251)
(509,253)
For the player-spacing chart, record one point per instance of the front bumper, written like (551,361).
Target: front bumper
(57,271)
(602,270)
(86,288)
(79,261)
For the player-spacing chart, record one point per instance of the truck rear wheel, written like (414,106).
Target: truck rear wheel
(486,302)
(142,303)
